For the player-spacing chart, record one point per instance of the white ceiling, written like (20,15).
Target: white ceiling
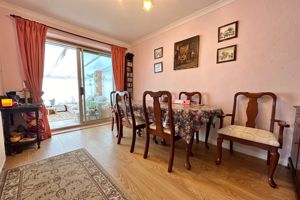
(124,20)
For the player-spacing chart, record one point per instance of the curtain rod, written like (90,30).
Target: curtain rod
(57,29)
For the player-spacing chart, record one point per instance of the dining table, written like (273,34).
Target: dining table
(187,118)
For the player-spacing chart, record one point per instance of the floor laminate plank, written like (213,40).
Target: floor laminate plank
(238,177)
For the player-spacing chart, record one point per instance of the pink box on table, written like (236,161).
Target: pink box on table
(184,102)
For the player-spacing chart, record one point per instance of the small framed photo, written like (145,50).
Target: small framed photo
(158,53)
(158,67)
(228,31)
(226,54)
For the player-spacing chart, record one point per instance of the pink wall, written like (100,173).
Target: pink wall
(267,59)
(9,54)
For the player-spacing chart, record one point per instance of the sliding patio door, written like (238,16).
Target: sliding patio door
(77,84)
(95,85)
(60,85)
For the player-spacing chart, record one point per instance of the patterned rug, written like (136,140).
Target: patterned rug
(69,176)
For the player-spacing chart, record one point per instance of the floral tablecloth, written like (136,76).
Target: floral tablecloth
(187,118)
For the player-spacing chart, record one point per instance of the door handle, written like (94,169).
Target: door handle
(81,91)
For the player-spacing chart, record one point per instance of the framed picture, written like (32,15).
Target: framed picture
(226,54)
(186,53)
(228,31)
(158,67)
(158,53)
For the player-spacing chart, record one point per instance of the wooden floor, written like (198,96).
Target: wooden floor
(238,177)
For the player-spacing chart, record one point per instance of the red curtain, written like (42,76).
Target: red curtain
(118,63)
(32,38)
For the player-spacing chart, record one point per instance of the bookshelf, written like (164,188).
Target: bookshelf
(129,73)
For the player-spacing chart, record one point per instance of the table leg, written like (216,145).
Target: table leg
(208,125)
(188,153)
(192,142)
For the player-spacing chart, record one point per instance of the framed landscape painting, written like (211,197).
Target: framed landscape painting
(186,53)
(226,54)
(228,31)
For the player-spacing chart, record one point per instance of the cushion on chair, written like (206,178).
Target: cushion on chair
(250,134)
(166,130)
(137,121)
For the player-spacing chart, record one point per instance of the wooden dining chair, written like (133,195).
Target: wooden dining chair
(155,126)
(113,108)
(249,134)
(194,97)
(126,117)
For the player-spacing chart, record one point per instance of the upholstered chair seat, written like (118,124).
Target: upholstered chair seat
(166,130)
(137,121)
(251,134)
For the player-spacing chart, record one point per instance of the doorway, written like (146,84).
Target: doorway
(77,83)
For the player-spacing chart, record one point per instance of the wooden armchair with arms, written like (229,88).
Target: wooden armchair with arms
(249,135)
(126,117)
(192,96)
(155,126)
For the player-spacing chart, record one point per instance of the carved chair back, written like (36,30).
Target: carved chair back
(158,112)
(252,108)
(190,95)
(124,108)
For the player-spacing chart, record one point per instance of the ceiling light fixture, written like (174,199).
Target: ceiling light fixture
(147,5)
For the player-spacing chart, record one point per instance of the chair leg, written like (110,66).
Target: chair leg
(112,123)
(117,122)
(120,133)
(231,146)
(171,159)
(147,145)
(197,136)
(268,158)
(274,157)
(219,149)
(133,140)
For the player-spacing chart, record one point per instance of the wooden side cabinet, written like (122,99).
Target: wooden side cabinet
(8,123)
(294,160)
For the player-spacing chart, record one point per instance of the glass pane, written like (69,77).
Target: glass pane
(98,84)
(60,85)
